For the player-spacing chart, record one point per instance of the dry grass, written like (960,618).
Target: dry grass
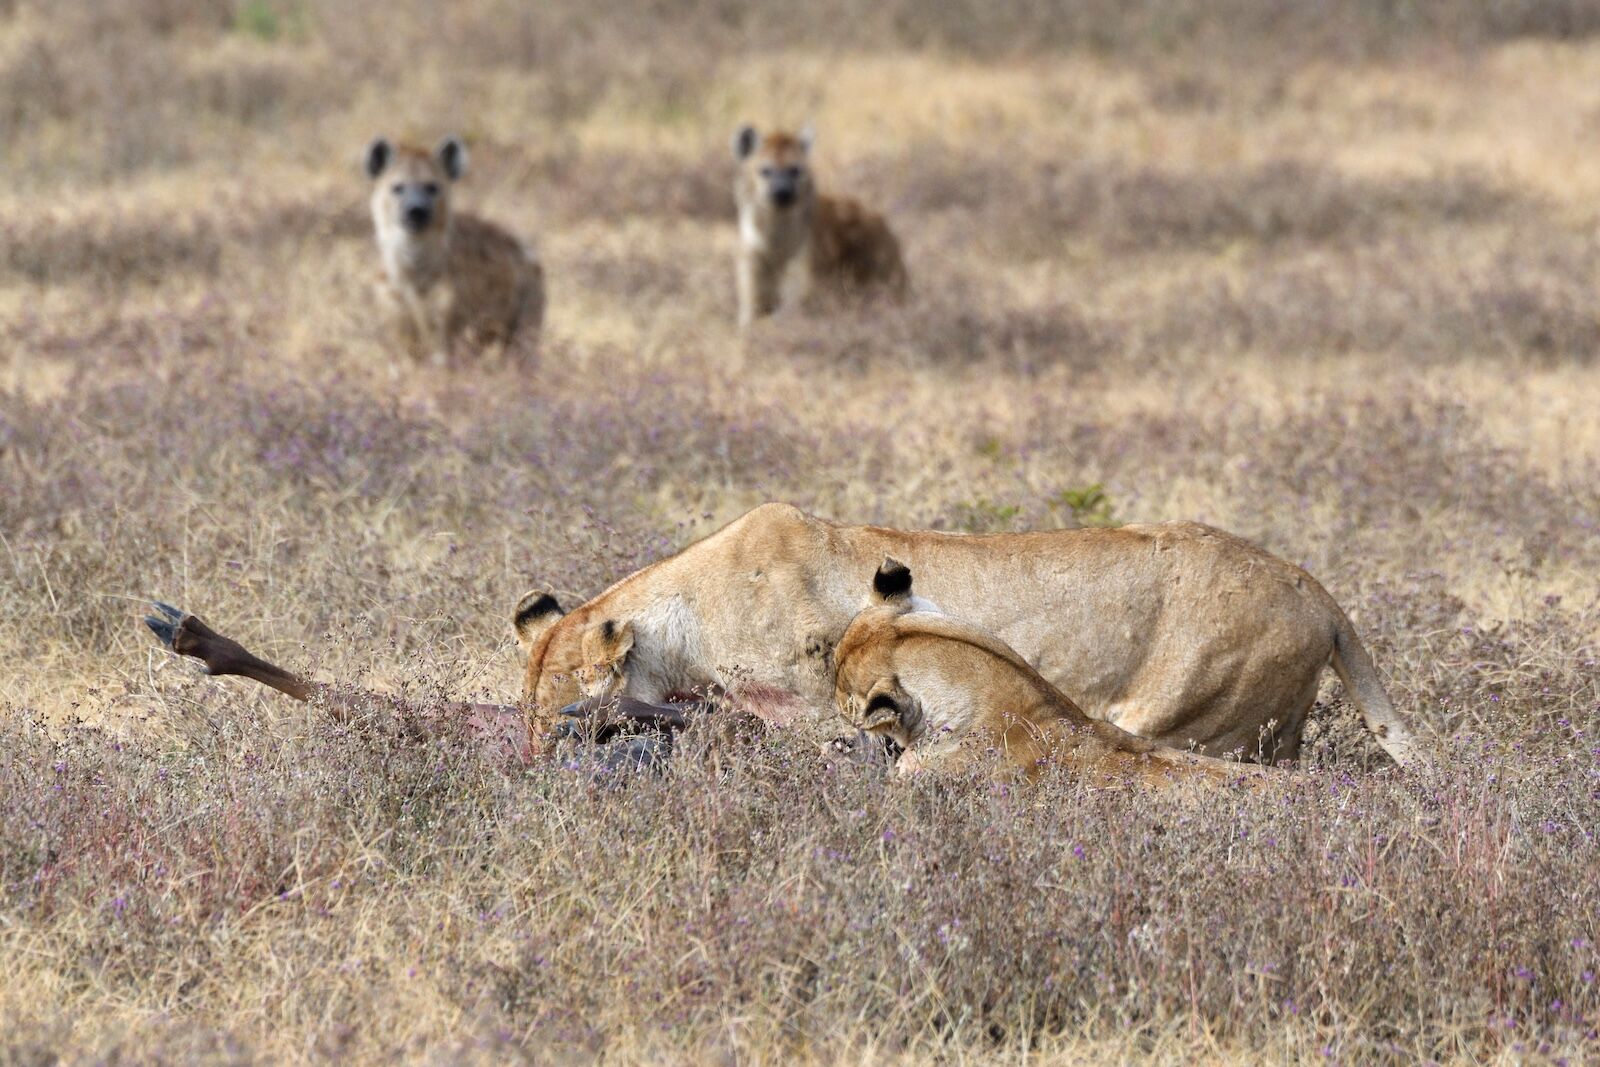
(1323,275)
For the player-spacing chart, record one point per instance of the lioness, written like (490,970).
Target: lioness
(1177,632)
(783,220)
(450,280)
(949,695)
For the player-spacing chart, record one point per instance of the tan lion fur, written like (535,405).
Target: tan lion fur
(952,697)
(1176,632)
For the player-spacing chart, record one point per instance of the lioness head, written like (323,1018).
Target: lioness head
(569,656)
(411,186)
(867,688)
(775,169)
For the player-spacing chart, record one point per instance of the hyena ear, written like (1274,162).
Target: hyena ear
(745,139)
(536,612)
(378,153)
(452,157)
(807,138)
(608,643)
(892,584)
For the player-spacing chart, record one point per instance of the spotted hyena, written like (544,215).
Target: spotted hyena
(833,243)
(452,283)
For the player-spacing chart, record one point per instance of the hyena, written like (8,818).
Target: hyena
(451,281)
(783,220)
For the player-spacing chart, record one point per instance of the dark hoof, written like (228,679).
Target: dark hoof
(165,622)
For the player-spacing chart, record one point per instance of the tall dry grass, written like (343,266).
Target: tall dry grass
(1320,274)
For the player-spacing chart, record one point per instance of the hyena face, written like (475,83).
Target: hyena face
(411,188)
(775,169)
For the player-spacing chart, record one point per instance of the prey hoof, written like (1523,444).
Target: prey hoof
(165,622)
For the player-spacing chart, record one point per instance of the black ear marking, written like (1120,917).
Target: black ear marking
(892,580)
(377,158)
(608,629)
(882,710)
(744,141)
(534,606)
(452,157)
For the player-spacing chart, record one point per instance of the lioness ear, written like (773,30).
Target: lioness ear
(377,158)
(608,643)
(536,612)
(882,711)
(892,583)
(452,157)
(744,141)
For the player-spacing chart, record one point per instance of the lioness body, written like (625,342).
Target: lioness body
(1176,632)
(451,281)
(792,236)
(952,696)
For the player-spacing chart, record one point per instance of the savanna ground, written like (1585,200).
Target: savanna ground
(1324,275)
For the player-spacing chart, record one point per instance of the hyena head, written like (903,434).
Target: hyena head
(774,169)
(411,186)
